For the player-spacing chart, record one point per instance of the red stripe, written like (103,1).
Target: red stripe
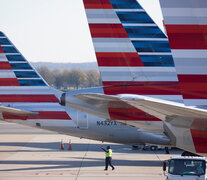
(187,36)
(192,78)
(97,4)
(194,90)
(9,82)
(123,111)
(187,41)
(42,115)
(142,88)
(118,59)
(193,86)
(5,66)
(108,30)
(130,114)
(28,98)
(1,50)
(199,140)
(188,29)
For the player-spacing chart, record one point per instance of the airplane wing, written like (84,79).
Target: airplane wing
(14,111)
(165,110)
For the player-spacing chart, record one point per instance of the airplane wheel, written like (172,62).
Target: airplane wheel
(153,148)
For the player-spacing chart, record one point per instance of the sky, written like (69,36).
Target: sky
(54,30)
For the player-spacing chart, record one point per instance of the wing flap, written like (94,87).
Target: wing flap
(164,108)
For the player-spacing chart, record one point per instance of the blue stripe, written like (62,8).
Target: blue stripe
(9,50)
(157,60)
(31,82)
(4,41)
(151,46)
(1,34)
(15,58)
(26,74)
(125,4)
(134,17)
(20,66)
(144,32)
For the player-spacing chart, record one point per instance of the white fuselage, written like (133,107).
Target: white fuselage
(92,127)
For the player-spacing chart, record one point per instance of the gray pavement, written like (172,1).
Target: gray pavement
(30,153)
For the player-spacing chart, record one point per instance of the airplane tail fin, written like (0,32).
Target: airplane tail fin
(186,27)
(133,54)
(22,89)
(16,71)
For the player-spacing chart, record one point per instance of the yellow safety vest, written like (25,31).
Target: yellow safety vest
(109,154)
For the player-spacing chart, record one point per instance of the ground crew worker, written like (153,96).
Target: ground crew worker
(108,159)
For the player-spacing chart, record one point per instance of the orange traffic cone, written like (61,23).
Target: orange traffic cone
(70,146)
(62,145)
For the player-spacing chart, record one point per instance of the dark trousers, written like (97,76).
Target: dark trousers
(108,163)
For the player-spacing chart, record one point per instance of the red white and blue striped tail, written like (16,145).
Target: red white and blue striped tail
(133,54)
(15,70)
(22,88)
(186,26)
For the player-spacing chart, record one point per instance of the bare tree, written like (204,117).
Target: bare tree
(70,79)
(78,78)
(58,78)
(93,78)
(47,75)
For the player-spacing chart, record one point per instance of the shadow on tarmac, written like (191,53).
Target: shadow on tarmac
(88,162)
(78,161)
(79,147)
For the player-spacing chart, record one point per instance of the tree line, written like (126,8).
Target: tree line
(70,79)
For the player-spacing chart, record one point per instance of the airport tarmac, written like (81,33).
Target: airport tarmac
(30,153)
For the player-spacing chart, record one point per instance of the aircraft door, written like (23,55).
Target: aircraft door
(82,120)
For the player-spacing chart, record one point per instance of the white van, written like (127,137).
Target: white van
(185,168)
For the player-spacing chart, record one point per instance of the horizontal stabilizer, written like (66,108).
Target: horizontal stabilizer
(15,111)
(165,110)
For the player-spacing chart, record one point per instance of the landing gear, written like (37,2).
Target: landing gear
(153,148)
(135,147)
(167,150)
